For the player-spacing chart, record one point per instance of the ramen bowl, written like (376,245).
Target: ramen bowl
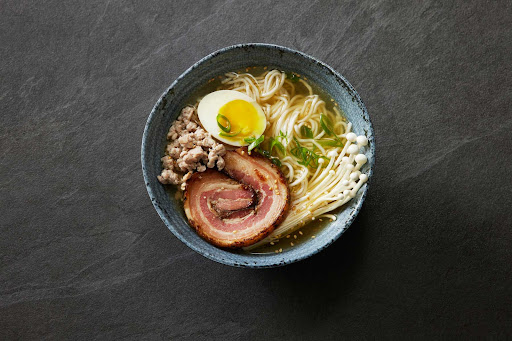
(235,58)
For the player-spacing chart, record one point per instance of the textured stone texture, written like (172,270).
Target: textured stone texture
(83,254)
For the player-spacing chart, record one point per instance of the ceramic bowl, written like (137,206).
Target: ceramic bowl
(235,58)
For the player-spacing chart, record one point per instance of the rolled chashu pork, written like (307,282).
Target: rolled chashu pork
(240,205)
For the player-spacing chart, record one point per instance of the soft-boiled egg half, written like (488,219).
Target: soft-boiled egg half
(231,116)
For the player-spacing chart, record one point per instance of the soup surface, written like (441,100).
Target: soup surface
(305,135)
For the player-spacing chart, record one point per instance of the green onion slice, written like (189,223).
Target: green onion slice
(230,134)
(275,143)
(326,123)
(227,127)
(305,156)
(255,142)
(306,132)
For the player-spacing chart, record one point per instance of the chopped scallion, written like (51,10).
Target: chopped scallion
(274,142)
(229,134)
(326,125)
(306,132)
(255,143)
(225,128)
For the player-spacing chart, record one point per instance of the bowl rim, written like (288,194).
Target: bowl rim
(300,257)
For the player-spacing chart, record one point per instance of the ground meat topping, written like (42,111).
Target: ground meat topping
(191,149)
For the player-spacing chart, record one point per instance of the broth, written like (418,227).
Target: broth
(310,229)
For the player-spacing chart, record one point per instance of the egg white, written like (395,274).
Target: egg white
(210,106)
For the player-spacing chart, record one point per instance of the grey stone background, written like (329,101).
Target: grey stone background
(83,254)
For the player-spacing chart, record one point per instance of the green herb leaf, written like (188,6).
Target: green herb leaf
(256,142)
(306,132)
(225,128)
(249,139)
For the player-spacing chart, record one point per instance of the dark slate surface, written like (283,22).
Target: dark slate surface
(83,254)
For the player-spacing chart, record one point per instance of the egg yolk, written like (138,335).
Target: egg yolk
(243,117)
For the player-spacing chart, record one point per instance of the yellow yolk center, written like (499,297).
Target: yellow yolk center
(243,117)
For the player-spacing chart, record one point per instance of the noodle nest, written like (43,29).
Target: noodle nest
(296,118)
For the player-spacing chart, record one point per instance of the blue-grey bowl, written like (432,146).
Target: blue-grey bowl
(235,58)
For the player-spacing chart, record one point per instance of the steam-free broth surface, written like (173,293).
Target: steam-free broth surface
(318,153)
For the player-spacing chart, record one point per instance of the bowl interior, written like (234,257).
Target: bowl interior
(236,58)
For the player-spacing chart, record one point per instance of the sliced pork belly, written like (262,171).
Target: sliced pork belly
(241,206)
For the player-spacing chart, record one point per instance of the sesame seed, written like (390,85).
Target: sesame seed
(271,188)
(271,243)
(276,251)
(295,236)
(277,192)
(280,250)
(288,236)
(300,232)
(275,181)
(320,219)
(291,243)
(313,237)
